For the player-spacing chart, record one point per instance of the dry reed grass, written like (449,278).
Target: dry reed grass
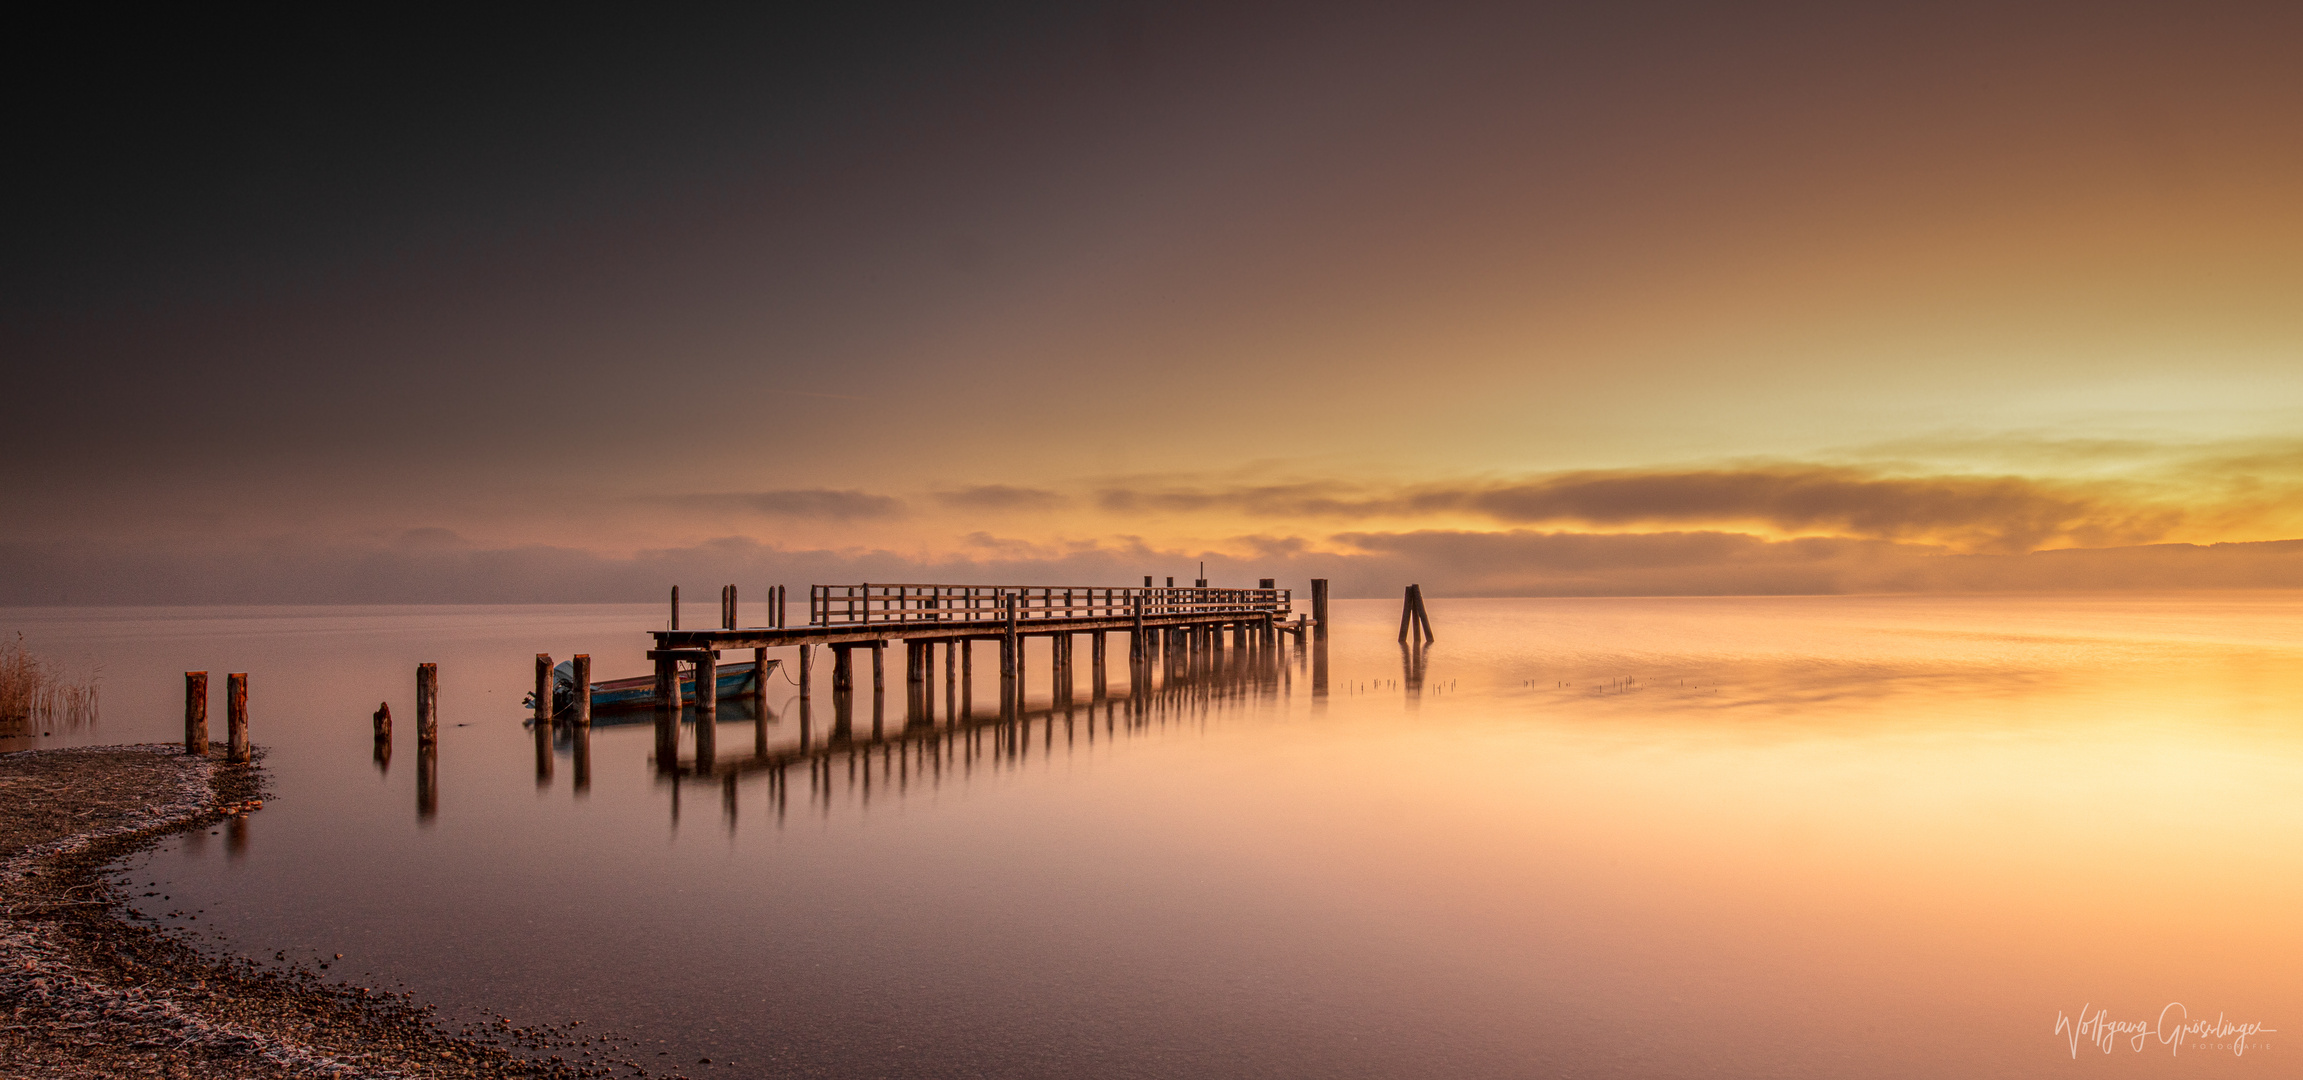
(32,689)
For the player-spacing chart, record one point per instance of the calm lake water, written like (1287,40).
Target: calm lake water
(1780,837)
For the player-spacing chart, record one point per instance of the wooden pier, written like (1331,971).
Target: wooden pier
(1171,629)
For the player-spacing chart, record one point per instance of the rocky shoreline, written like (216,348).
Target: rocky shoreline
(88,991)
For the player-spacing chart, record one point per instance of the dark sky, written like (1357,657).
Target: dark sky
(1012,283)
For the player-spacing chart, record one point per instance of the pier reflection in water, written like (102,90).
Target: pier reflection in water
(1178,685)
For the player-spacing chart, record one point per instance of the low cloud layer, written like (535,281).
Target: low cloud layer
(1365,564)
(819,504)
(1990,514)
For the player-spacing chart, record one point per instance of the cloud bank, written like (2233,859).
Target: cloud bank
(1362,564)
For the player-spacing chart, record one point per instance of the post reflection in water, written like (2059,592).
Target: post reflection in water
(1201,674)
(427,782)
(543,737)
(580,748)
(1413,656)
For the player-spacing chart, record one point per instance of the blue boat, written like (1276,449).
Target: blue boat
(640,692)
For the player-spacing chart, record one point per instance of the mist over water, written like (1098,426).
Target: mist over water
(1763,837)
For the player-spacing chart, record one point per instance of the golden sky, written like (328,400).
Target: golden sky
(1504,300)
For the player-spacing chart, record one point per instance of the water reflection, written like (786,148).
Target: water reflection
(427,781)
(1183,679)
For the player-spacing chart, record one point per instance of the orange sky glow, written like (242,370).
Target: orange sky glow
(1506,302)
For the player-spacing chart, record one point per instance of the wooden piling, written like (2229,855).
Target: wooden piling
(237,750)
(843,669)
(427,703)
(544,689)
(383,722)
(760,681)
(707,709)
(667,713)
(1008,658)
(582,713)
(807,670)
(1413,619)
(1319,605)
(675,607)
(543,737)
(196,713)
(1096,660)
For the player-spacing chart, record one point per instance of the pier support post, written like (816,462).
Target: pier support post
(236,748)
(760,682)
(667,713)
(544,689)
(427,703)
(807,670)
(707,710)
(1096,660)
(196,713)
(843,669)
(1010,668)
(383,721)
(1319,606)
(582,713)
(951,678)
(675,607)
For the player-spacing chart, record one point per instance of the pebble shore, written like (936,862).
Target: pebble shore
(89,989)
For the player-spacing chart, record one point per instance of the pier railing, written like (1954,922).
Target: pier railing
(874,604)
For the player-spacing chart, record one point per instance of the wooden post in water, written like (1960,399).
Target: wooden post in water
(1096,660)
(807,670)
(952,678)
(879,666)
(427,703)
(760,682)
(582,662)
(196,713)
(667,713)
(675,607)
(707,710)
(843,669)
(1136,640)
(237,750)
(544,689)
(543,737)
(1009,667)
(383,721)
(915,670)
(1319,605)
(1413,619)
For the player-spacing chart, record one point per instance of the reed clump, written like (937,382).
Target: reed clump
(32,689)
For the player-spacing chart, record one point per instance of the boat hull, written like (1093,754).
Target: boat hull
(640,693)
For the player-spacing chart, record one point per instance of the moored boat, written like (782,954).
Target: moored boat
(640,692)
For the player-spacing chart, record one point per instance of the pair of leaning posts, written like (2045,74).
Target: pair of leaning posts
(1159,621)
